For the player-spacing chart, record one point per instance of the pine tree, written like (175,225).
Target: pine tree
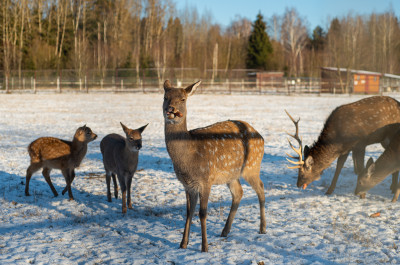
(259,47)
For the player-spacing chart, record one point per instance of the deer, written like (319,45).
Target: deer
(53,153)
(121,157)
(376,172)
(350,127)
(217,154)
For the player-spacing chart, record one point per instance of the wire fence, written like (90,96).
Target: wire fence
(151,81)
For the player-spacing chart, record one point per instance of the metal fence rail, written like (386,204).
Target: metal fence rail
(151,81)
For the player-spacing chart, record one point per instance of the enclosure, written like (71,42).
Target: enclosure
(303,226)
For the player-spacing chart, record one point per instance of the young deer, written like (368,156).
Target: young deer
(52,153)
(374,173)
(213,155)
(121,156)
(349,127)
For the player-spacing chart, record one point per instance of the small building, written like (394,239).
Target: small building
(342,80)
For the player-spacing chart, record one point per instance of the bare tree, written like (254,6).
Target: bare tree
(293,38)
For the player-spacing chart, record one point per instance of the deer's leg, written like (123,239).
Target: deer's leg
(108,180)
(121,179)
(237,193)
(46,175)
(128,188)
(258,187)
(358,154)
(66,173)
(204,194)
(396,193)
(72,176)
(395,181)
(29,172)
(191,201)
(339,166)
(115,185)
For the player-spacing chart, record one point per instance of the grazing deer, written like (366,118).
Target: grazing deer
(349,127)
(213,155)
(374,173)
(121,156)
(53,153)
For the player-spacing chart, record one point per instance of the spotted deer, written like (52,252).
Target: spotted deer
(53,153)
(213,155)
(374,173)
(121,157)
(350,127)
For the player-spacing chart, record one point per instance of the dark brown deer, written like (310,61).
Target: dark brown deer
(349,127)
(53,153)
(374,173)
(213,155)
(121,157)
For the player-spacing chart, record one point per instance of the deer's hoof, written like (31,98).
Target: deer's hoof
(224,233)
(328,192)
(183,245)
(363,195)
(204,249)
(27,194)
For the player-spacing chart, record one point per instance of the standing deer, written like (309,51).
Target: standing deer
(213,155)
(374,173)
(349,127)
(53,153)
(121,156)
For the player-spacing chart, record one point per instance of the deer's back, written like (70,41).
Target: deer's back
(358,120)
(226,150)
(48,149)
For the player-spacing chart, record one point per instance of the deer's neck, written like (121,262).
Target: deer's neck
(323,154)
(78,152)
(178,141)
(386,164)
(130,157)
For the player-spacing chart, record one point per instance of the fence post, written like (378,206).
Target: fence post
(122,84)
(6,84)
(34,85)
(23,83)
(80,84)
(58,85)
(86,86)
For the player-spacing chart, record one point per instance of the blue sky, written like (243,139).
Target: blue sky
(316,12)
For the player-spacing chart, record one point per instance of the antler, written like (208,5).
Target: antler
(297,150)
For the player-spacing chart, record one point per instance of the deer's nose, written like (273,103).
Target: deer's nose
(171,109)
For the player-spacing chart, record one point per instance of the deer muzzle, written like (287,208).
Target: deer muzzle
(172,113)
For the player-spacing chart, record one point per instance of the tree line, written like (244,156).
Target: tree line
(143,34)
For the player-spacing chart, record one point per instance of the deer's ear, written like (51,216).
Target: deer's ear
(192,88)
(369,162)
(126,129)
(309,162)
(141,129)
(167,85)
(306,151)
(370,167)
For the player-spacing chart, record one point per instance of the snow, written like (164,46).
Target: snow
(303,226)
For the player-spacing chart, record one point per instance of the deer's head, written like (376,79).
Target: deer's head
(364,181)
(133,137)
(174,106)
(307,172)
(85,134)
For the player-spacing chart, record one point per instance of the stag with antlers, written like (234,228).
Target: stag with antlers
(349,128)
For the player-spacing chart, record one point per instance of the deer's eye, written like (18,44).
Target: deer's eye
(183,99)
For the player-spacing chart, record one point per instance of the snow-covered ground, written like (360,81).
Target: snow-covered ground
(303,227)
